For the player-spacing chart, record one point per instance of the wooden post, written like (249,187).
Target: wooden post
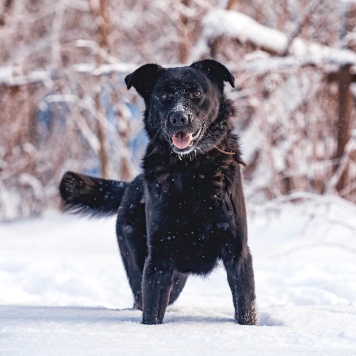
(344,121)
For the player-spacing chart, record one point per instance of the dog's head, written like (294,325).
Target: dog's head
(181,103)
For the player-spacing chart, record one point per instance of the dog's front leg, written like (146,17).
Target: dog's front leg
(242,284)
(157,284)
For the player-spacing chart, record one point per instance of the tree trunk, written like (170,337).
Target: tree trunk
(103,23)
(185,43)
(231,4)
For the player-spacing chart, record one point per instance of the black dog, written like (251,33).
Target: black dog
(186,211)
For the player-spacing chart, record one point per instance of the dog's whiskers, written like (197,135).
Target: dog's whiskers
(154,150)
(157,133)
(198,148)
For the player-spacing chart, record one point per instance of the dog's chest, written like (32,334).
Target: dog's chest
(186,190)
(189,217)
(190,192)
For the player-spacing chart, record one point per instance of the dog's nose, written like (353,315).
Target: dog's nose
(178,119)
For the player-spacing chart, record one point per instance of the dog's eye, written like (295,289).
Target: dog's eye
(164,96)
(196,94)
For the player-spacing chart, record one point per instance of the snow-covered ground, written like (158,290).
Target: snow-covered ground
(63,290)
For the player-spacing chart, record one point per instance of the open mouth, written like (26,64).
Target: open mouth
(182,140)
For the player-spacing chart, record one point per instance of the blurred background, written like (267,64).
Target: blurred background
(64,104)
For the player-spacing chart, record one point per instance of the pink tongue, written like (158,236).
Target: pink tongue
(182,140)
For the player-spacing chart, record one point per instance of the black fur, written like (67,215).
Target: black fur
(186,211)
(90,196)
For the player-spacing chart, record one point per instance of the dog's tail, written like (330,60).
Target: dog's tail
(91,196)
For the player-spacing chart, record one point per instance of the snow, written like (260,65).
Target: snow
(9,78)
(219,22)
(64,290)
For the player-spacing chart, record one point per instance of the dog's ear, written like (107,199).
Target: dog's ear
(215,71)
(144,79)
